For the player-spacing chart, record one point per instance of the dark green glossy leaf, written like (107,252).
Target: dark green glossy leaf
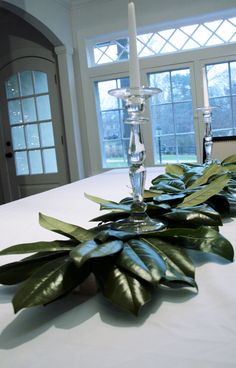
(72,231)
(124,290)
(203,238)
(16,272)
(43,246)
(196,216)
(206,192)
(108,205)
(111,216)
(49,282)
(180,269)
(169,197)
(109,233)
(91,249)
(141,260)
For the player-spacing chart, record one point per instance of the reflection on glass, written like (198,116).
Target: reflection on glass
(14,111)
(18,137)
(233,76)
(218,80)
(21,163)
(28,107)
(35,162)
(26,83)
(32,136)
(49,161)
(43,107)
(46,134)
(183,117)
(107,102)
(12,87)
(180,82)
(40,82)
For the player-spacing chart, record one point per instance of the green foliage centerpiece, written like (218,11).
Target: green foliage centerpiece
(129,265)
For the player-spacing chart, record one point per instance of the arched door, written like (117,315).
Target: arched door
(33,154)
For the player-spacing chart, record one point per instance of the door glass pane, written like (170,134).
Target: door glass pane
(35,162)
(26,83)
(113,131)
(21,163)
(28,107)
(14,111)
(12,87)
(43,107)
(32,136)
(46,134)
(222,88)
(49,160)
(40,82)
(18,137)
(172,114)
(233,77)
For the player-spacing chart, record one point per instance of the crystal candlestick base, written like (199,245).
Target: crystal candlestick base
(135,101)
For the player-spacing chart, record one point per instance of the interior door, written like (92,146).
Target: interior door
(33,154)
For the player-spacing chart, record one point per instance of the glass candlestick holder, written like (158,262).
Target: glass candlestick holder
(135,102)
(208,143)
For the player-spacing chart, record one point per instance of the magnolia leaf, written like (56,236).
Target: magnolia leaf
(208,191)
(124,290)
(141,260)
(203,238)
(15,272)
(148,193)
(42,246)
(49,282)
(108,205)
(230,159)
(180,269)
(72,231)
(169,197)
(109,233)
(111,216)
(212,169)
(167,187)
(174,169)
(91,249)
(229,167)
(194,216)
(163,178)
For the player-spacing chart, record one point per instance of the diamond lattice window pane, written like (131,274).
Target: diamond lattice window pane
(214,40)
(213,25)
(166,34)
(178,39)
(226,31)
(189,29)
(168,48)
(201,35)
(233,20)
(156,43)
(191,44)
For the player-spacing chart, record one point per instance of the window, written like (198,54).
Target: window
(114,133)
(222,94)
(29,112)
(187,37)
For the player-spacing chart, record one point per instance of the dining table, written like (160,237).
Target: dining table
(179,328)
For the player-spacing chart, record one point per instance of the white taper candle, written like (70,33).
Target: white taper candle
(205,89)
(134,71)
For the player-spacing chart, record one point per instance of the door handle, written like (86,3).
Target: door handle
(8,155)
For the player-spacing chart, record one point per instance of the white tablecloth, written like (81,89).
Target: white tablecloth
(177,329)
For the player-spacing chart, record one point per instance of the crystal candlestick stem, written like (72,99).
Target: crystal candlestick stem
(208,143)
(135,101)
